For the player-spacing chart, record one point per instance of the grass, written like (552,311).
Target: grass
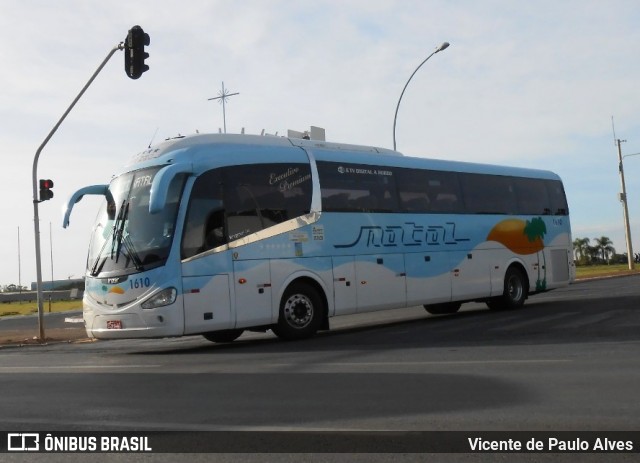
(591,271)
(27,308)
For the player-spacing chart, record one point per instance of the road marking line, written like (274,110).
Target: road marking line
(435,362)
(72,367)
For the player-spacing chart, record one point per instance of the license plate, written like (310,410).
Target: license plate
(114,324)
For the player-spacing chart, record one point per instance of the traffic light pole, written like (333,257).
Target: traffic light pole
(36,199)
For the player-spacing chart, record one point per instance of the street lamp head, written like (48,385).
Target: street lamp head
(395,117)
(442,47)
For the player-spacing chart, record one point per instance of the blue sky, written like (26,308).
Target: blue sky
(531,84)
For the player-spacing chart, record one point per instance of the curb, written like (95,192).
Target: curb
(605,277)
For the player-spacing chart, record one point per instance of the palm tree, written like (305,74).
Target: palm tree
(534,230)
(592,252)
(581,249)
(605,246)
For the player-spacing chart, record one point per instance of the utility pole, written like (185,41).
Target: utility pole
(51,255)
(625,209)
(19,265)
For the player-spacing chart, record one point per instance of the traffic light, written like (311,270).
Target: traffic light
(134,54)
(45,189)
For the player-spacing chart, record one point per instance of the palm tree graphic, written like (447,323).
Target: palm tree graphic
(536,229)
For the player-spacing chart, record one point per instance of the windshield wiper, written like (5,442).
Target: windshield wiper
(118,229)
(100,261)
(132,253)
(120,240)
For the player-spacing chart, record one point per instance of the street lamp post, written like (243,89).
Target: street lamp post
(440,48)
(625,208)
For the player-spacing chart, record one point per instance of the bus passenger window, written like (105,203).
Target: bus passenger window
(214,235)
(488,194)
(422,190)
(204,212)
(259,196)
(558,199)
(532,196)
(357,188)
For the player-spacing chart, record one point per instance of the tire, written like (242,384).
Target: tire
(515,291)
(301,312)
(223,336)
(444,308)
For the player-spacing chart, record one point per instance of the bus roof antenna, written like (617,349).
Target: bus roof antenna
(154,137)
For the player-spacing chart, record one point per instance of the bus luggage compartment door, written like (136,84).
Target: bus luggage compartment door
(381,282)
(344,285)
(470,274)
(252,282)
(428,278)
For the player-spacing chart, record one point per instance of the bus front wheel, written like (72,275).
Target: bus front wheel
(301,312)
(514,293)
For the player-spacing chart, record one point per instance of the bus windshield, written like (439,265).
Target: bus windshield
(126,237)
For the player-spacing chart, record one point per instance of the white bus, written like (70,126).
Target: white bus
(217,234)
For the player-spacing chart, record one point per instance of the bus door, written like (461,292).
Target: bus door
(207,303)
(252,282)
(380,281)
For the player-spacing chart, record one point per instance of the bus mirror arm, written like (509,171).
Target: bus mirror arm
(78,195)
(160,185)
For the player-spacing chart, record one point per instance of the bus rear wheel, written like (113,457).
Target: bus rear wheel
(223,336)
(444,308)
(514,293)
(301,312)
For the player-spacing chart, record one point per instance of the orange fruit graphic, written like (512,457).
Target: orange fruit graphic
(511,234)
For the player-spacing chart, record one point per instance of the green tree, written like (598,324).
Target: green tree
(605,247)
(581,249)
(593,252)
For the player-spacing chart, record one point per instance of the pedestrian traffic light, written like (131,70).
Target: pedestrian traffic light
(134,54)
(45,189)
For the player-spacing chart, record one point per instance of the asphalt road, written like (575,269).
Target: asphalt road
(568,361)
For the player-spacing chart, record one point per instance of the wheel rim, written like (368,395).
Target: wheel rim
(515,288)
(298,311)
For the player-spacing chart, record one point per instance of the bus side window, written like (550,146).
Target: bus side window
(214,235)
(488,194)
(259,196)
(558,199)
(423,190)
(357,188)
(205,209)
(532,196)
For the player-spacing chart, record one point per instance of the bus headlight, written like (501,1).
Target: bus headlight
(164,297)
